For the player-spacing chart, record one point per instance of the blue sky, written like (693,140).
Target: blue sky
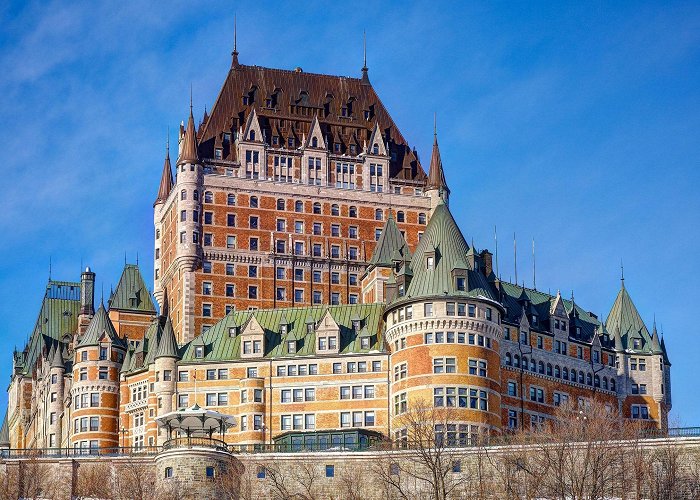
(573,123)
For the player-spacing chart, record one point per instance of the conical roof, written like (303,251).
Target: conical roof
(166,180)
(5,433)
(663,351)
(625,318)
(57,358)
(391,242)
(167,345)
(443,238)
(100,325)
(188,153)
(436,174)
(126,365)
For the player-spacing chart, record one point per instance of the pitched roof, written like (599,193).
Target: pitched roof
(436,174)
(56,359)
(625,318)
(131,293)
(58,316)
(100,325)
(390,242)
(167,344)
(286,102)
(443,237)
(220,345)
(166,180)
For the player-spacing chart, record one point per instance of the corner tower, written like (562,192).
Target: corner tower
(443,331)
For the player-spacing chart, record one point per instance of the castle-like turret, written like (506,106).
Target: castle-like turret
(99,355)
(165,360)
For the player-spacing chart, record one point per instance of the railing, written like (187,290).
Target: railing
(112,451)
(185,442)
(193,442)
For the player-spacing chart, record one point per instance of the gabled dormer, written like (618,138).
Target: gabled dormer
(376,146)
(558,317)
(327,335)
(252,339)
(252,132)
(315,139)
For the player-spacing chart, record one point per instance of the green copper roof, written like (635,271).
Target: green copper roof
(167,344)
(220,344)
(58,316)
(100,325)
(131,293)
(391,245)
(56,358)
(625,318)
(5,433)
(443,237)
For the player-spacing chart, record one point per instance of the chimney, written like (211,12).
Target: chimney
(487,261)
(87,299)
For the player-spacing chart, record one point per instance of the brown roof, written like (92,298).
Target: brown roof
(286,101)
(188,153)
(166,180)
(436,175)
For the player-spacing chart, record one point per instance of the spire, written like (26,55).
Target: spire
(623,316)
(189,145)
(436,175)
(622,275)
(390,246)
(365,77)
(100,325)
(167,346)
(166,178)
(234,54)
(655,346)
(57,359)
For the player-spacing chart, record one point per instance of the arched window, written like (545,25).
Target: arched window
(605,383)
(196,195)
(573,375)
(589,379)
(252,135)
(400,217)
(314,142)
(378,214)
(540,367)
(612,384)
(335,209)
(557,371)
(298,206)
(280,204)
(565,373)
(253,202)
(208,197)
(509,359)
(549,369)
(231,199)
(533,368)
(183,194)
(525,363)
(596,381)
(375,149)
(581,377)
(516,361)
(352,212)
(421,218)
(317,208)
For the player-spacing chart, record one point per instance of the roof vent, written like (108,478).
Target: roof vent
(298,70)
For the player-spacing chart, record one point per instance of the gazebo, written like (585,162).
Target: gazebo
(195,427)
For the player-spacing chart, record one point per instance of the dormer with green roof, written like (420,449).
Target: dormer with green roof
(131,308)
(625,319)
(390,252)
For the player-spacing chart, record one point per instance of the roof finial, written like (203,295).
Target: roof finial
(365,78)
(435,125)
(515,258)
(234,54)
(190,98)
(534,276)
(495,242)
(167,143)
(49,268)
(622,273)
(137,258)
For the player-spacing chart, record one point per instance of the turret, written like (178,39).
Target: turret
(99,355)
(165,360)
(57,371)
(437,185)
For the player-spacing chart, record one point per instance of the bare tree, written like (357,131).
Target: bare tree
(433,460)
(93,479)
(136,479)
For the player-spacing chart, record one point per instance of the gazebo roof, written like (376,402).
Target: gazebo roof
(196,421)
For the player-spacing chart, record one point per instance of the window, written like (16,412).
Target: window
(378,214)
(330,470)
(280,206)
(298,206)
(512,389)
(428,309)
(253,202)
(231,199)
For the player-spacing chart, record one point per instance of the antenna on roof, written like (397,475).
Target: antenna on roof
(534,279)
(495,242)
(190,97)
(435,124)
(49,268)
(622,273)
(137,258)
(515,258)
(124,258)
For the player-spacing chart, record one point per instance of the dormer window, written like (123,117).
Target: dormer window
(430,263)
(227,137)
(199,351)
(252,135)
(578,331)
(232,331)
(292,346)
(314,142)
(364,343)
(534,320)
(375,149)
(461,283)
(401,290)
(309,328)
(283,329)
(356,325)
(637,343)
(246,100)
